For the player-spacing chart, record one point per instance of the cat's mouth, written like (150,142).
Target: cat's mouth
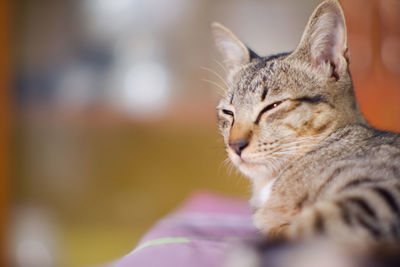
(249,164)
(254,170)
(251,168)
(240,160)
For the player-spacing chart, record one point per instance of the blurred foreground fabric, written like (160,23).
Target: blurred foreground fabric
(199,233)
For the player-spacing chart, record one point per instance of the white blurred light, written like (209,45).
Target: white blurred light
(34,238)
(33,253)
(146,89)
(114,7)
(111,16)
(119,16)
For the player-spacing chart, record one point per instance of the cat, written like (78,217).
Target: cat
(291,123)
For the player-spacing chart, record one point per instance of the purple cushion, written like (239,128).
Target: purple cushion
(199,233)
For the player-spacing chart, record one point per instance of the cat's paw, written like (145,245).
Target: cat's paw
(279,233)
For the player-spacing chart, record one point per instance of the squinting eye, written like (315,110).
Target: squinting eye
(227,112)
(267,108)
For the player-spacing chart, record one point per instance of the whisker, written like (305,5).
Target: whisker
(302,139)
(218,85)
(285,153)
(222,66)
(219,76)
(230,168)
(226,161)
(295,145)
(292,148)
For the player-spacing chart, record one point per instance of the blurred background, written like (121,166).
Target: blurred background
(112,120)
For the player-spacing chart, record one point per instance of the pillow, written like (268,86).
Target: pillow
(199,233)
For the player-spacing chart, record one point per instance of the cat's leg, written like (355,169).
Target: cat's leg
(364,214)
(323,218)
(273,222)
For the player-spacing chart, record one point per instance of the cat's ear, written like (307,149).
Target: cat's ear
(324,41)
(235,53)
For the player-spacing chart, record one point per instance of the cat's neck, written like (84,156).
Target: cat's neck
(261,188)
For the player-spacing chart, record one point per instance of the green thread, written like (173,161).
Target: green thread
(178,240)
(162,241)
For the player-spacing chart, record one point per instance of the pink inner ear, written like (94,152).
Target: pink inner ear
(328,42)
(234,52)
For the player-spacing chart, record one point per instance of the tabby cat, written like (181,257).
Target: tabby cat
(291,123)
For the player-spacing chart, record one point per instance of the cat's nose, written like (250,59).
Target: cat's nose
(239,145)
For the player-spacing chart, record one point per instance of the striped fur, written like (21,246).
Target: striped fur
(293,119)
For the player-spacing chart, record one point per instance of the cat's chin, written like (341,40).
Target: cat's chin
(252,170)
(256,171)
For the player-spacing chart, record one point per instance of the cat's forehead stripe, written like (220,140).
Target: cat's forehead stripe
(251,79)
(269,71)
(264,93)
(252,75)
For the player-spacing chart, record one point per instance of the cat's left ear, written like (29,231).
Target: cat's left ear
(235,53)
(324,41)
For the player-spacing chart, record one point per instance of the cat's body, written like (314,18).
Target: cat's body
(291,123)
(347,186)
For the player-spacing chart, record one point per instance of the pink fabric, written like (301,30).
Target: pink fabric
(208,223)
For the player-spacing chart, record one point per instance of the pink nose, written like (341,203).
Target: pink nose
(239,145)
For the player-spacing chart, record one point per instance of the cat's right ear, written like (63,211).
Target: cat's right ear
(234,52)
(324,40)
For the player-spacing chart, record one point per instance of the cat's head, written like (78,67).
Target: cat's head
(278,107)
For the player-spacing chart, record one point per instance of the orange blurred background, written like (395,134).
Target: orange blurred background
(112,124)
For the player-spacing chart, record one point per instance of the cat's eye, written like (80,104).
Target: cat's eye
(267,108)
(227,112)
